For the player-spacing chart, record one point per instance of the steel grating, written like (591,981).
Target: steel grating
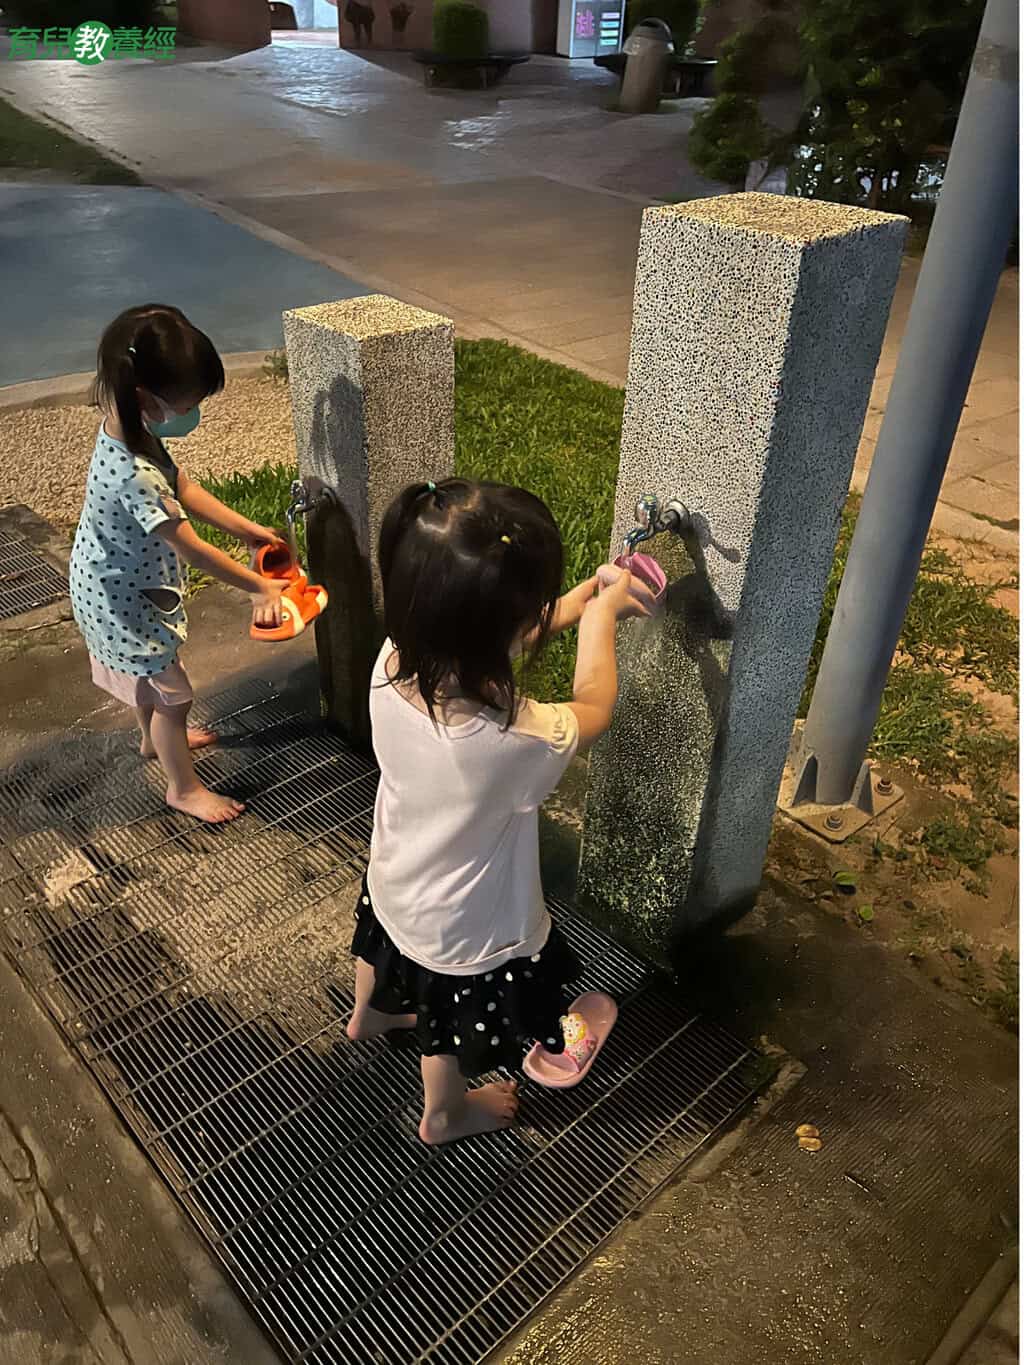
(203,975)
(27,580)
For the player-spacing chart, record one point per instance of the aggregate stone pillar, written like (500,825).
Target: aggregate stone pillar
(373,391)
(757,325)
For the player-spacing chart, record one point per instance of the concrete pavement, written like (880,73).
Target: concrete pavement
(515,211)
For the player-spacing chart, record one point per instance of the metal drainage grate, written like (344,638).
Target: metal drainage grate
(204,977)
(26,579)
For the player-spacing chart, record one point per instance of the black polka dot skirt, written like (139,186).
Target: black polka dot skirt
(486,1021)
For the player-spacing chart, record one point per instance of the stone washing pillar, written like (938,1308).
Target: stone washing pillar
(757,325)
(373,392)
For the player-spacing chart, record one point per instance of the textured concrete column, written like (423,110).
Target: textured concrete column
(373,392)
(757,325)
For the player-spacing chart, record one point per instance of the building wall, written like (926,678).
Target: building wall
(235,23)
(516,25)
(315,14)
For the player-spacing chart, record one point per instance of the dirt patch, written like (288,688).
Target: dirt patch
(47,450)
(986,564)
(958,926)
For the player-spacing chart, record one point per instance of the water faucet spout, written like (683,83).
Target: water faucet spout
(654,517)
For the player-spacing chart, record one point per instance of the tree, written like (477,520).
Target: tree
(887,78)
(884,81)
(732,132)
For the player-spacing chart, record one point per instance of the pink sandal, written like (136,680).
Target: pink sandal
(648,570)
(586,1028)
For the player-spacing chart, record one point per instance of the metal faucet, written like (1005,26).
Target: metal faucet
(304,500)
(653,518)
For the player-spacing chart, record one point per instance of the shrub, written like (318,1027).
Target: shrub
(680,15)
(71,13)
(461,29)
(726,138)
(731,133)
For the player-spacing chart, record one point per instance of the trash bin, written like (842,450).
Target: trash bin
(647,50)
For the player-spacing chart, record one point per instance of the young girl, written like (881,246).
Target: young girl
(453,939)
(154,369)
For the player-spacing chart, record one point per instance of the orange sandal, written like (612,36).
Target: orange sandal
(301,601)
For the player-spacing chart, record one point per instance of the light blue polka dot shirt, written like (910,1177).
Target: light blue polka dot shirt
(126,582)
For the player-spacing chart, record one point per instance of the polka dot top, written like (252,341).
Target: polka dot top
(126,583)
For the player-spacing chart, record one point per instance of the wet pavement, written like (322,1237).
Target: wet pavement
(860,1254)
(514,211)
(90,252)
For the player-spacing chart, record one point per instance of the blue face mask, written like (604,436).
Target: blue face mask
(174,424)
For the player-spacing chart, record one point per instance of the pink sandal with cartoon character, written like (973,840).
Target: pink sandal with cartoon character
(586,1027)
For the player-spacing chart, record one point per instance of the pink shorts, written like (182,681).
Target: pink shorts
(163,691)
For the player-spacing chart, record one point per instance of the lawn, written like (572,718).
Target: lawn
(27,146)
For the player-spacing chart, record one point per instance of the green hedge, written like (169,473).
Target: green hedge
(461,29)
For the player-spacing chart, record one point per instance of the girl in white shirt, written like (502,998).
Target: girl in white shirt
(453,939)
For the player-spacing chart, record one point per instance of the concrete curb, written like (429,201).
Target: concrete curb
(65,390)
(976,1312)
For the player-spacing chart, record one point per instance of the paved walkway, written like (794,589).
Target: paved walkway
(515,211)
(88,253)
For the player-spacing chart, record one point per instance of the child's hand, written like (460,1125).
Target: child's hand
(625,593)
(266,602)
(254,536)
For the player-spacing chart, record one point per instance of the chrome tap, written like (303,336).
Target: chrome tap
(653,518)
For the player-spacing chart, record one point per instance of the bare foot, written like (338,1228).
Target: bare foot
(369,1023)
(197,739)
(206,805)
(487,1109)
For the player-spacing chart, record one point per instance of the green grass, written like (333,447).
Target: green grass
(26,145)
(525,421)
(263,497)
(953,634)
(522,420)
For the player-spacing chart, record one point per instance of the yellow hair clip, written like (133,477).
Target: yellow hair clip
(505,540)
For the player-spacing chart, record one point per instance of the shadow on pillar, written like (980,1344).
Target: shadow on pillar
(675,691)
(348,634)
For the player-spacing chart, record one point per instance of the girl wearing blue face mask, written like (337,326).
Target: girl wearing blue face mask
(154,369)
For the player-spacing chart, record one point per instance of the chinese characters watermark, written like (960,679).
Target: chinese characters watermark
(91,43)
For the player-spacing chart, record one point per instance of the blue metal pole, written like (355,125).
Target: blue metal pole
(964,258)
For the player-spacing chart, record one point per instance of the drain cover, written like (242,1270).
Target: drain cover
(27,581)
(204,977)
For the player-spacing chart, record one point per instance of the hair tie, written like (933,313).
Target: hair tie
(506,540)
(131,350)
(431,487)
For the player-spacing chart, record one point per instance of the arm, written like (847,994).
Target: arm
(266,592)
(202,505)
(595,687)
(568,610)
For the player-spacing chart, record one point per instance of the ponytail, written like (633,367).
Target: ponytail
(409,504)
(125,400)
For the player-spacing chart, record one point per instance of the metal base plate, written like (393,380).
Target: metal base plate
(834,823)
(204,977)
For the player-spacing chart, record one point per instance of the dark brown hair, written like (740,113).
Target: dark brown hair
(468,568)
(155,348)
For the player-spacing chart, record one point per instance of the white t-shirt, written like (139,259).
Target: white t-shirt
(454,871)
